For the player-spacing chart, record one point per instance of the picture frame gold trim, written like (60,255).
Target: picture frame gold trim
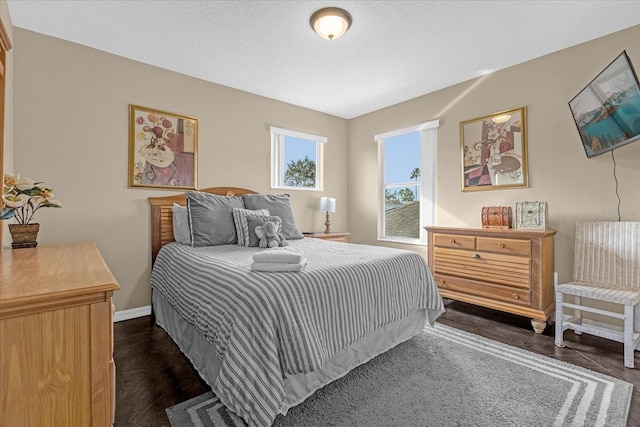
(163,149)
(493,151)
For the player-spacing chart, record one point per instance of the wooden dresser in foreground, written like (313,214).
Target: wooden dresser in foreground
(507,270)
(56,337)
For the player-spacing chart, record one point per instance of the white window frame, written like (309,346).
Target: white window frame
(428,179)
(278,165)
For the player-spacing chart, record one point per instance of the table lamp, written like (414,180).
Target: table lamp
(328,205)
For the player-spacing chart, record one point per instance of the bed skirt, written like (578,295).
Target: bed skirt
(298,387)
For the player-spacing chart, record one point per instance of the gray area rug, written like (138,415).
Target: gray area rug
(446,377)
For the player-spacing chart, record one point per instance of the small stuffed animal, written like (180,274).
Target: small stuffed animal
(269,236)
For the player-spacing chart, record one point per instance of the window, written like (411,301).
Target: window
(408,182)
(296,160)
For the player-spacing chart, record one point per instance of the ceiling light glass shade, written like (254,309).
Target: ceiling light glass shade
(501,118)
(331,22)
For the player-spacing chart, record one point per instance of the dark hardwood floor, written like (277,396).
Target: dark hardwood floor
(152,374)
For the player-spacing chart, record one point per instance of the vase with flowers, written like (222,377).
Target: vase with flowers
(21,198)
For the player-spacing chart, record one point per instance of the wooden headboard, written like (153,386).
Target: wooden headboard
(162,216)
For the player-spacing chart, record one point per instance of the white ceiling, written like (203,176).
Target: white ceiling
(394,51)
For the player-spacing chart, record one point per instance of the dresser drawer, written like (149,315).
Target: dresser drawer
(485,290)
(507,270)
(454,241)
(505,246)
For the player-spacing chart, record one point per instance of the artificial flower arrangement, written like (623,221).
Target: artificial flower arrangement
(22,197)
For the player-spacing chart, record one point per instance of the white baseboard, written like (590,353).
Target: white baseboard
(133,313)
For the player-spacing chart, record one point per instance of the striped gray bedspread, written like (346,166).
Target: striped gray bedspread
(267,326)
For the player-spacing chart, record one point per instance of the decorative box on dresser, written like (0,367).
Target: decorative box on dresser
(56,337)
(508,270)
(336,236)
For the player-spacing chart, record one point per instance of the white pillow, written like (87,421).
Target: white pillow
(181,231)
(242,227)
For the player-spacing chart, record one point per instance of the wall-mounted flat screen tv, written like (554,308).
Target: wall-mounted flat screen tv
(607,111)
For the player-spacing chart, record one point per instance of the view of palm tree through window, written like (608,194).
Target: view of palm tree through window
(402,186)
(300,158)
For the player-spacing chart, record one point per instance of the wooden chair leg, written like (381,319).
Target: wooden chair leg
(559,339)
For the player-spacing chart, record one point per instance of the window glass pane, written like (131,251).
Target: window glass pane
(402,186)
(300,162)
(401,158)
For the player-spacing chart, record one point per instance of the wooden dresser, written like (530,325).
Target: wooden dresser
(507,270)
(56,337)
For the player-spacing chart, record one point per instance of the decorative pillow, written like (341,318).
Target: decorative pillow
(181,231)
(240,221)
(254,221)
(211,218)
(277,205)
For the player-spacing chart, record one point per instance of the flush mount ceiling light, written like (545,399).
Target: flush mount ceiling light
(503,118)
(331,22)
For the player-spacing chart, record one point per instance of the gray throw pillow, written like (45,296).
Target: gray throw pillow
(240,221)
(211,218)
(254,221)
(277,205)
(181,231)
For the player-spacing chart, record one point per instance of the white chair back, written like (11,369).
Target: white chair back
(608,253)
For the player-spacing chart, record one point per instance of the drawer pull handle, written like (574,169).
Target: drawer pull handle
(442,281)
(501,245)
(453,241)
(515,296)
(476,256)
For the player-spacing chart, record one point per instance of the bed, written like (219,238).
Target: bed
(264,342)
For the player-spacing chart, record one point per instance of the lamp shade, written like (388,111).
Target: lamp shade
(330,22)
(328,204)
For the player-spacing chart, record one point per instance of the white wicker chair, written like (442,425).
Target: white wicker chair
(606,268)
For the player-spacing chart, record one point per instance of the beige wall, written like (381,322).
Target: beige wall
(71,131)
(559,172)
(7,158)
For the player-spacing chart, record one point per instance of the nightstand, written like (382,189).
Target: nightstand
(335,236)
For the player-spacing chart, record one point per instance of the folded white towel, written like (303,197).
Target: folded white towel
(278,266)
(278,255)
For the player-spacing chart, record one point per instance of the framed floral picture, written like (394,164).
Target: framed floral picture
(163,149)
(494,151)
